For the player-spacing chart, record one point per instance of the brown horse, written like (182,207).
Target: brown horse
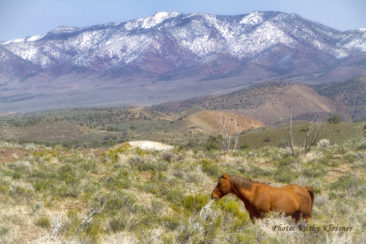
(260,198)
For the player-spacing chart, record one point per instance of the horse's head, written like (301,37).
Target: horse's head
(223,187)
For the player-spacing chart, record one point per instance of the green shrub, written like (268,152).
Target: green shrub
(119,180)
(314,171)
(285,175)
(45,186)
(334,119)
(255,171)
(3,189)
(117,224)
(73,223)
(286,161)
(68,174)
(21,192)
(43,222)
(16,175)
(343,182)
(194,203)
(350,158)
(118,201)
(91,186)
(243,146)
(361,147)
(209,168)
(93,231)
(267,139)
(171,222)
(69,190)
(3,231)
(212,143)
(167,156)
(232,207)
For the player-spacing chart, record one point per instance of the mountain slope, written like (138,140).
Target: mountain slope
(212,122)
(351,93)
(174,56)
(269,102)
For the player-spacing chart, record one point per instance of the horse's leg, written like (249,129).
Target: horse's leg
(306,217)
(296,216)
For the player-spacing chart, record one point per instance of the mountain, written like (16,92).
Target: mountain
(351,93)
(270,102)
(171,56)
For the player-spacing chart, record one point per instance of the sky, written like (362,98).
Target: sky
(21,18)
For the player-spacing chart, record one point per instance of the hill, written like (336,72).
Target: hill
(351,93)
(269,102)
(213,121)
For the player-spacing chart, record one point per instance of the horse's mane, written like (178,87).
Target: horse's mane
(242,182)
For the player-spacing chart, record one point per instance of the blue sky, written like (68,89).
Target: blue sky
(21,18)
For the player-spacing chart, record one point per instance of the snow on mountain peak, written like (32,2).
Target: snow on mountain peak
(157,18)
(64,29)
(252,18)
(35,38)
(13,41)
(150,21)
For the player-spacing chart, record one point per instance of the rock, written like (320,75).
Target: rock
(150,145)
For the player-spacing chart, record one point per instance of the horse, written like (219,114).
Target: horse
(261,198)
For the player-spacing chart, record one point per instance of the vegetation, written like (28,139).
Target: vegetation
(92,128)
(67,176)
(334,119)
(127,195)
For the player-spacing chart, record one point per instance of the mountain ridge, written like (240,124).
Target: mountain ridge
(174,55)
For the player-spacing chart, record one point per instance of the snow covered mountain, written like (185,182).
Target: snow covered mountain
(172,55)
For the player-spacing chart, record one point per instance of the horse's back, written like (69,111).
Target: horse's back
(291,198)
(304,198)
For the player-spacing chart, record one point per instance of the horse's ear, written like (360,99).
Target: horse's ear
(225,175)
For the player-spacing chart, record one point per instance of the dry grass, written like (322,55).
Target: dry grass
(126,195)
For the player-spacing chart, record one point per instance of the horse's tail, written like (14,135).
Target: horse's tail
(311,193)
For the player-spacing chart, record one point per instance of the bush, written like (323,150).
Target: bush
(3,231)
(209,168)
(118,180)
(244,146)
(256,171)
(334,119)
(119,201)
(350,158)
(284,174)
(212,143)
(117,224)
(267,139)
(167,157)
(314,171)
(232,207)
(195,203)
(43,222)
